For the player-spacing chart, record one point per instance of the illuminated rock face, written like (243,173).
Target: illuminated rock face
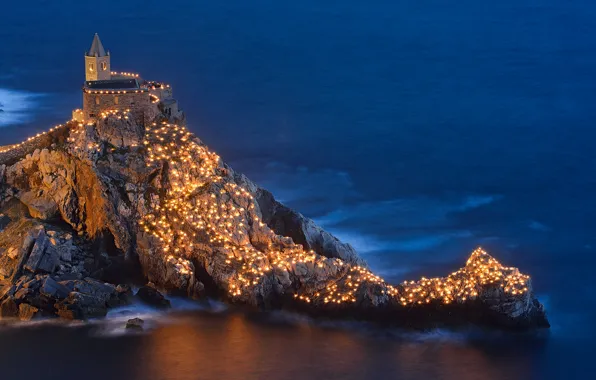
(161,198)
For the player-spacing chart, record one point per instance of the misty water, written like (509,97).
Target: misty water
(415,130)
(203,344)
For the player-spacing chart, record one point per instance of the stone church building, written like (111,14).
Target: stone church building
(105,90)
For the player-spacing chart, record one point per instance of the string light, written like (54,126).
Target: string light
(201,205)
(32,138)
(140,90)
(200,200)
(124,74)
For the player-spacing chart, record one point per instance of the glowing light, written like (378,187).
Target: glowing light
(222,223)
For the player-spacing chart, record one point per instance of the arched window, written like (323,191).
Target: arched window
(97,100)
(91,66)
(104,66)
(115,100)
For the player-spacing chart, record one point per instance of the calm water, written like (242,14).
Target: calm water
(416,130)
(202,345)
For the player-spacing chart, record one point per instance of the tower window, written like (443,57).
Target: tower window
(97,100)
(115,100)
(91,67)
(104,66)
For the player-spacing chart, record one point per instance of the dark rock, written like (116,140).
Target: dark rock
(26,248)
(66,254)
(53,289)
(89,264)
(37,252)
(71,276)
(33,283)
(287,222)
(124,289)
(4,220)
(9,308)
(7,291)
(124,294)
(81,306)
(197,290)
(108,293)
(5,272)
(23,294)
(48,261)
(135,324)
(151,296)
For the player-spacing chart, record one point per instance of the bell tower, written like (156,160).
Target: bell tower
(97,62)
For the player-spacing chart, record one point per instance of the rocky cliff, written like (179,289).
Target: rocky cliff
(89,208)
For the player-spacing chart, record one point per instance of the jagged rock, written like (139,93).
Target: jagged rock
(23,294)
(31,283)
(41,206)
(5,272)
(108,293)
(27,312)
(51,288)
(26,247)
(48,261)
(151,296)
(198,228)
(135,324)
(37,252)
(196,290)
(4,220)
(81,306)
(9,308)
(66,252)
(124,294)
(70,276)
(12,252)
(124,134)
(287,222)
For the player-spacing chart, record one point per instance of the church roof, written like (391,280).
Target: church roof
(113,84)
(96,49)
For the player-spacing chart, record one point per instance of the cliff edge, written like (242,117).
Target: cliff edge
(87,209)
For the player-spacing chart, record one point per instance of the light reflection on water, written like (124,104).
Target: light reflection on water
(228,345)
(234,347)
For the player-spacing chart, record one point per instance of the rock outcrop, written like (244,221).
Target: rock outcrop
(135,324)
(287,222)
(112,201)
(152,296)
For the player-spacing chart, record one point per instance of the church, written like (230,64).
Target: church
(106,90)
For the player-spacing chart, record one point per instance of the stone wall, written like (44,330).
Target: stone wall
(44,140)
(137,103)
(162,92)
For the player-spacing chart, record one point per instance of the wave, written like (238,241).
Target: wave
(455,336)
(114,323)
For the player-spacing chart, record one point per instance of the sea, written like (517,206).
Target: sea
(416,130)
